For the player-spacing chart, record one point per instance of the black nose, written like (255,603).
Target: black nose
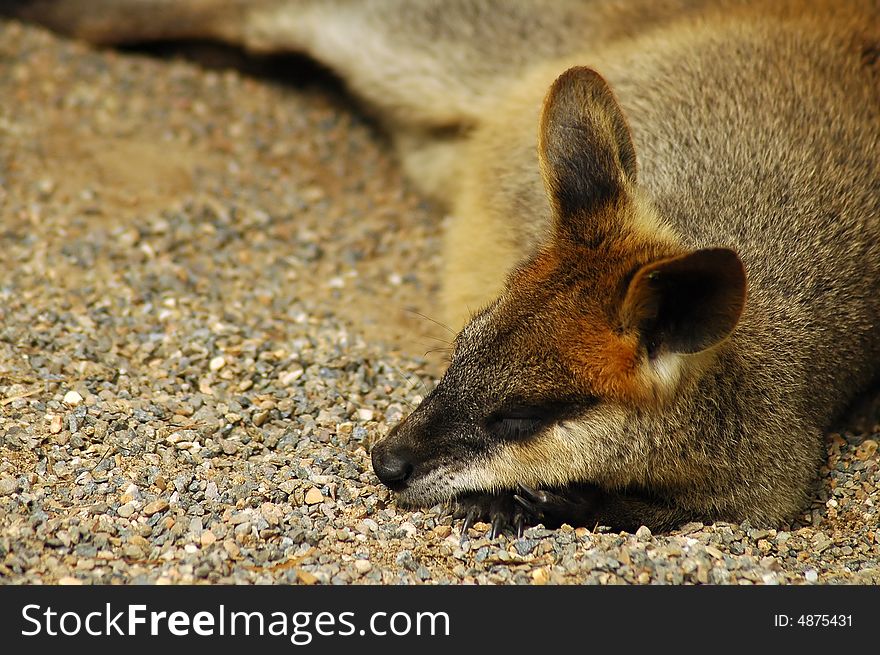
(392,466)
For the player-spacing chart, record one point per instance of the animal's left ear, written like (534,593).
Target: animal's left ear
(585,148)
(688,303)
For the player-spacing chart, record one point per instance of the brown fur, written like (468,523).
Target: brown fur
(663,306)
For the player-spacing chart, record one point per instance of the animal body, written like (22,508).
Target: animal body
(665,244)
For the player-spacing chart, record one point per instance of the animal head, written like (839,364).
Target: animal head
(612,315)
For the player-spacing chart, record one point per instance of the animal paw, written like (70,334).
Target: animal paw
(527,506)
(500,510)
(575,506)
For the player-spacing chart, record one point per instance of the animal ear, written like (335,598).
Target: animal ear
(688,303)
(584,144)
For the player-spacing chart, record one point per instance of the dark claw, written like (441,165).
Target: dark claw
(468,522)
(539,497)
(519,522)
(501,519)
(530,507)
(525,490)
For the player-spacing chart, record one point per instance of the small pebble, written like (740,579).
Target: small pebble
(306,577)
(159,505)
(866,449)
(7,485)
(443,531)
(126,510)
(540,577)
(72,398)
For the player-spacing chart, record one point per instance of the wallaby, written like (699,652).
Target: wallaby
(665,245)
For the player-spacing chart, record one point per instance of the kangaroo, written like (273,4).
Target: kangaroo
(665,243)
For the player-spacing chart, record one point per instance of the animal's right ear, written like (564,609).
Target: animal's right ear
(585,148)
(686,304)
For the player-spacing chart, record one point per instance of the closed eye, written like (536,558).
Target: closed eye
(519,423)
(525,421)
(515,428)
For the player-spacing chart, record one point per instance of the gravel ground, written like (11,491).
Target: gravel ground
(210,307)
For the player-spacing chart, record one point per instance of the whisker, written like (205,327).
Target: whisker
(430,336)
(433,320)
(446,351)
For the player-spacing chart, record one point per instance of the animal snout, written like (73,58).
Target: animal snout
(392,464)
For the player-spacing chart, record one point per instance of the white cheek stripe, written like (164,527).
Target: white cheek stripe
(574,450)
(441,484)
